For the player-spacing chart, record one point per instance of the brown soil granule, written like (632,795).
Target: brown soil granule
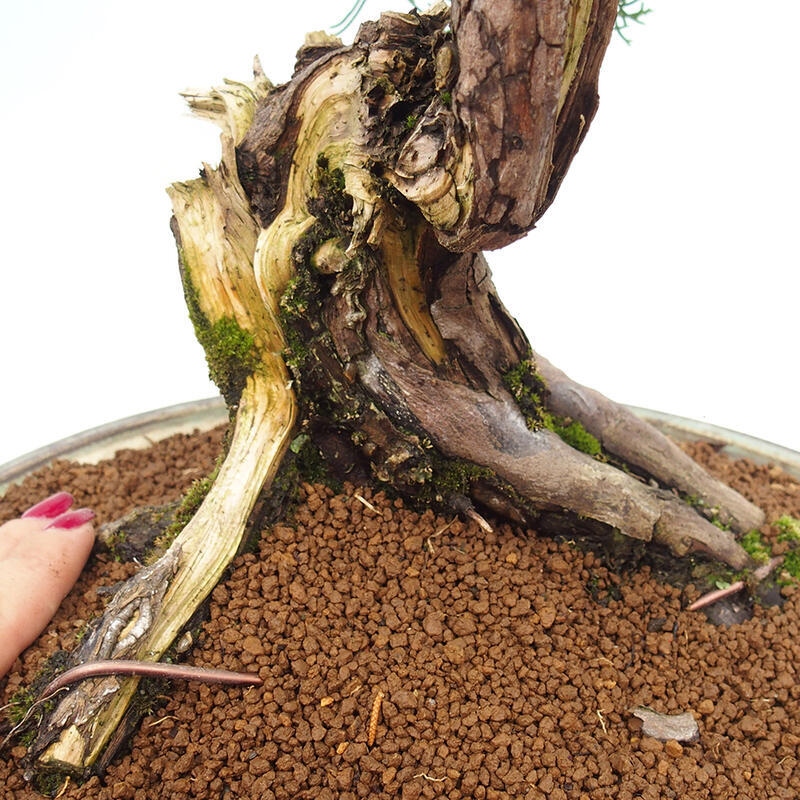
(508,663)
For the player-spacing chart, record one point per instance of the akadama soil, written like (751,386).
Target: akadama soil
(508,663)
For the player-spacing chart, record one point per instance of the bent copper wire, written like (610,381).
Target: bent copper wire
(150,669)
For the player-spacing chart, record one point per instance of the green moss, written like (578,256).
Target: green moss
(49,784)
(231,355)
(332,206)
(788,529)
(230,350)
(194,497)
(299,303)
(711,513)
(313,468)
(114,543)
(575,435)
(18,704)
(449,477)
(791,563)
(191,501)
(24,712)
(323,390)
(753,544)
(529,390)
(713,574)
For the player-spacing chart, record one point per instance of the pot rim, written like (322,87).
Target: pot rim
(142,430)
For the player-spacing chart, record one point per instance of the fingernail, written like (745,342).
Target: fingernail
(51,507)
(72,519)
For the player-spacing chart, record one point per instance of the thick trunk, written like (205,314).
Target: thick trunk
(338,238)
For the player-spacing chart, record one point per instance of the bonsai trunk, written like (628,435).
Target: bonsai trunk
(333,271)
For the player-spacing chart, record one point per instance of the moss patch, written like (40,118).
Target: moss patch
(530,391)
(447,478)
(754,545)
(230,350)
(791,563)
(528,388)
(188,508)
(231,355)
(789,532)
(788,529)
(575,435)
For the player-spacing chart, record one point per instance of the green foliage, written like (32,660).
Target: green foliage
(350,17)
(627,13)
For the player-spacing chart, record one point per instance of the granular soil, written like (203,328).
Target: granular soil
(508,663)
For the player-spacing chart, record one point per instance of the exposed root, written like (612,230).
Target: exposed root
(637,443)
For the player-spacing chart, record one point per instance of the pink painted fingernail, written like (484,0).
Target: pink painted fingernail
(72,519)
(51,507)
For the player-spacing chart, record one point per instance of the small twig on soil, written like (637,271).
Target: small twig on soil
(162,719)
(366,502)
(718,594)
(429,541)
(463,505)
(602,721)
(374,717)
(476,517)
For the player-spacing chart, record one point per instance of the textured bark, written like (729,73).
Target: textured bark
(525,95)
(338,240)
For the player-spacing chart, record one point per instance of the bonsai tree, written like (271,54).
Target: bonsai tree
(333,269)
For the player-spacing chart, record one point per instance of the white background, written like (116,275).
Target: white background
(665,275)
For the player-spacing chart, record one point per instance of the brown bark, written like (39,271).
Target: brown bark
(525,96)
